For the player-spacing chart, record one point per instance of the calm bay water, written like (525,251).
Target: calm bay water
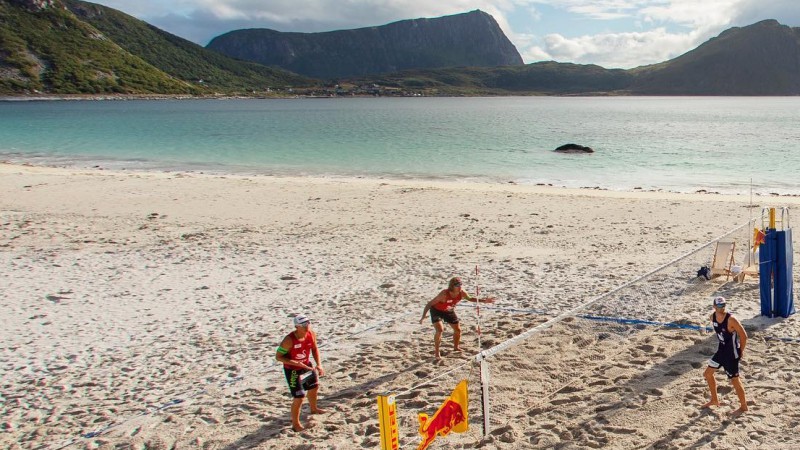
(677,144)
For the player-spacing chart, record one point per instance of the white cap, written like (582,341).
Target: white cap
(719,301)
(301,319)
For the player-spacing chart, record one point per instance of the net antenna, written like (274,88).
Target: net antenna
(478,304)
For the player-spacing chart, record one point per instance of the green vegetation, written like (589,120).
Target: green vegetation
(205,69)
(65,47)
(89,49)
(51,51)
(546,78)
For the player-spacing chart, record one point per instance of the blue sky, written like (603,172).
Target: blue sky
(610,33)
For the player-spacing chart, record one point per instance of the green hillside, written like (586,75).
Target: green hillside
(545,78)
(182,59)
(47,49)
(759,59)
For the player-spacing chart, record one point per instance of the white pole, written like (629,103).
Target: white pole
(478,304)
(485,395)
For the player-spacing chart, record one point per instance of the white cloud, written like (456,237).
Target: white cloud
(694,22)
(658,29)
(200,20)
(617,50)
(326,15)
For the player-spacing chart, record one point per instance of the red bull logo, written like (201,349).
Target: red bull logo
(451,416)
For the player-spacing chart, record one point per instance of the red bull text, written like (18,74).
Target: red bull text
(387,418)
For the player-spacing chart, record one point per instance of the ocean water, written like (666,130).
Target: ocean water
(684,144)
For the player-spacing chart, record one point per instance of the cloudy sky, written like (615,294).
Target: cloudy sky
(610,33)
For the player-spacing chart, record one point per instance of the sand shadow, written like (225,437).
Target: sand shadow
(693,423)
(658,376)
(275,426)
(365,389)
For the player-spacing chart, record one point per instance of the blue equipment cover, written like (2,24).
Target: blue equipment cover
(775,274)
(766,267)
(784,292)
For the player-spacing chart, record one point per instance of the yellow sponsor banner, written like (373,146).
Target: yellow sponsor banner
(387,417)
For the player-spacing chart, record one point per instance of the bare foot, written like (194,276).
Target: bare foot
(456,349)
(319,411)
(437,355)
(710,404)
(739,411)
(297,428)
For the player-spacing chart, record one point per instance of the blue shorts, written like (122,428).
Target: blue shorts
(300,381)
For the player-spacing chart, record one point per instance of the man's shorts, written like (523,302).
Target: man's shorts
(448,316)
(729,363)
(300,381)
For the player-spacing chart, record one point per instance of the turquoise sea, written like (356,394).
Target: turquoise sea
(682,144)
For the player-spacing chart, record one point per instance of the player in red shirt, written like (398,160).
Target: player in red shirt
(295,353)
(442,308)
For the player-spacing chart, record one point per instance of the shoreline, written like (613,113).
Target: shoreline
(514,186)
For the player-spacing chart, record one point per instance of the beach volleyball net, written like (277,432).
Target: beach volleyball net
(556,354)
(531,360)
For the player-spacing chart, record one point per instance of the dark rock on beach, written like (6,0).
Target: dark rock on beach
(574,148)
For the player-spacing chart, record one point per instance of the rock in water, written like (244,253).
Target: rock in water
(574,148)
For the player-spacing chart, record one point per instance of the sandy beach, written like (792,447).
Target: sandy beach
(146,307)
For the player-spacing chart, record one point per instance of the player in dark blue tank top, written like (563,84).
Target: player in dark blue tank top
(732,341)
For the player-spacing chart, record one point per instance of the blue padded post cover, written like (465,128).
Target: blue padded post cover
(766,268)
(784,292)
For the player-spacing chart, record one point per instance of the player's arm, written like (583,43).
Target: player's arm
(735,325)
(438,299)
(315,353)
(476,299)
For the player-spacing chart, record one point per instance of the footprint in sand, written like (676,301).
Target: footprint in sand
(570,389)
(558,402)
(415,404)
(357,419)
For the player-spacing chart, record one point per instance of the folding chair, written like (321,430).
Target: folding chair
(723,259)
(750,266)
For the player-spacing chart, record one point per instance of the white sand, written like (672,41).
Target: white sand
(122,292)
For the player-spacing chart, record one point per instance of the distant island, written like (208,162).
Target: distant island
(99,52)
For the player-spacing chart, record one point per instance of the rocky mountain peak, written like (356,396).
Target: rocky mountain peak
(468,39)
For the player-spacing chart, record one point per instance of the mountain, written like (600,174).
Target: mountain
(45,48)
(180,58)
(74,47)
(469,39)
(760,59)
